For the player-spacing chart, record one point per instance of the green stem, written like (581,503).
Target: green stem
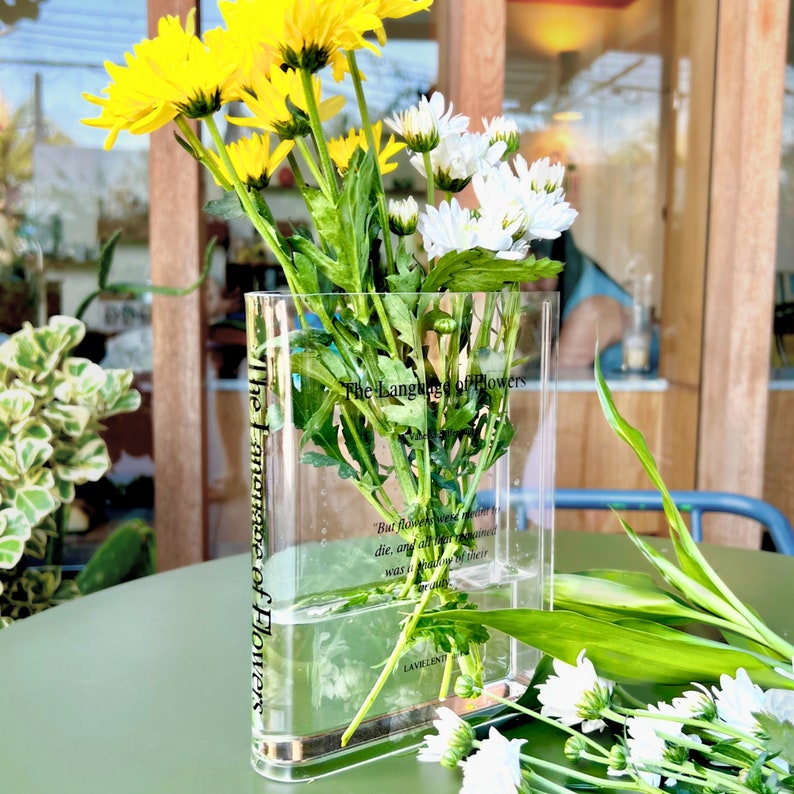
(447,677)
(367,126)
(317,133)
(540,783)
(201,152)
(539,763)
(431,185)
(263,227)
(536,715)
(296,170)
(322,183)
(388,668)
(619,714)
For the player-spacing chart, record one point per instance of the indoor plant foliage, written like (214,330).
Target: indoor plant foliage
(392,351)
(51,408)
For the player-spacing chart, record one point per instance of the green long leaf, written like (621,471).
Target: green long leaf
(621,653)
(481,271)
(606,595)
(698,594)
(692,562)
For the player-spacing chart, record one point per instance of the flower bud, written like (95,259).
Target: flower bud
(676,754)
(502,129)
(403,216)
(452,757)
(617,758)
(465,687)
(445,325)
(574,748)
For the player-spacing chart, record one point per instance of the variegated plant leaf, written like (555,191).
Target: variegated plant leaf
(15,406)
(35,502)
(32,447)
(14,532)
(71,420)
(82,380)
(84,460)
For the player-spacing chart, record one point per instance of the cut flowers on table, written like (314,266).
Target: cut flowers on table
(382,287)
(613,635)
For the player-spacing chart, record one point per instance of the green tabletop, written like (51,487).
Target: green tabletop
(143,688)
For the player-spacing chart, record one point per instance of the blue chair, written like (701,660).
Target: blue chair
(694,503)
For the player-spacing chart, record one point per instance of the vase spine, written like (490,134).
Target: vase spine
(261,599)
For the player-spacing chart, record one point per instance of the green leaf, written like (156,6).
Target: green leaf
(694,566)
(347,226)
(228,207)
(458,417)
(309,339)
(305,269)
(408,278)
(15,406)
(693,590)
(35,502)
(71,420)
(480,271)
(82,380)
(106,258)
(346,471)
(614,594)
(400,381)
(15,529)
(622,653)
(781,735)
(32,447)
(404,323)
(86,460)
(689,557)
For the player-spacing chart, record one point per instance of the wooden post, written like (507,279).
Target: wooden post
(751,56)
(471,60)
(178,328)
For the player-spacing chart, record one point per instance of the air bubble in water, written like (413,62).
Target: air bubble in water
(323,542)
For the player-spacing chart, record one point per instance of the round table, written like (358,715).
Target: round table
(143,688)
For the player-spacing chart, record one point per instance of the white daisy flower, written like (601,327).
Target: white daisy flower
(495,767)
(575,694)
(541,176)
(737,699)
(500,128)
(646,745)
(424,125)
(695,703)
(454,740)
(403,216)
(499,200)
(548,218)
(779,703)
(458,157)
(450,227)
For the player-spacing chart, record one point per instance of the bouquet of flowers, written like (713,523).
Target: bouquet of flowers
(382,288)
(728,726)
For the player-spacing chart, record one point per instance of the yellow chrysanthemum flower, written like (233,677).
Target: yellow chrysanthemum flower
(252,160)
(278,103)
(342,149)
(397,9)
(306,34)
(171,74)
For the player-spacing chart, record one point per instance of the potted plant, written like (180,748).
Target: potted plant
(51,409)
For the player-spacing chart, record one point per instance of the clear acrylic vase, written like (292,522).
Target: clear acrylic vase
(388,433)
